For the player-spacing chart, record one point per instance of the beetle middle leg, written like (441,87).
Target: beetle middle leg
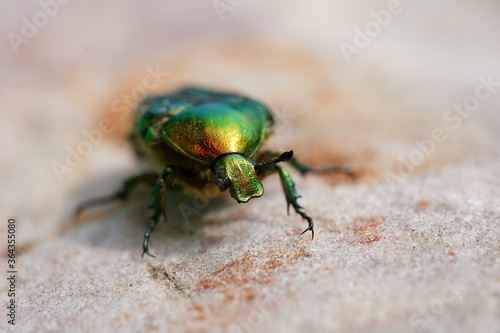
(304,168)
(158,207)
(128,186)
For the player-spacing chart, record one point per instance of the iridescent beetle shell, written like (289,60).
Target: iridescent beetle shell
(196,129)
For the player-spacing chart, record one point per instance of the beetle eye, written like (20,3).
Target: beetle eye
(222,181)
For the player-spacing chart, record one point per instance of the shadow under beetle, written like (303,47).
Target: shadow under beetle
(200,138)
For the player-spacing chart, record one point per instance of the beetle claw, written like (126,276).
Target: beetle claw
(146,251)
(311,227)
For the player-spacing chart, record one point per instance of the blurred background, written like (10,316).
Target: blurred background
(336,73)
(350,83)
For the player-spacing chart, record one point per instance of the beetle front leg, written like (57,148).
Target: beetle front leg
(128,186)
(292,196)
(158,206)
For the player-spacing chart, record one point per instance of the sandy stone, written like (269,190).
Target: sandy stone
(411,245)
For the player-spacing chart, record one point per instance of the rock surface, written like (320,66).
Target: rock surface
(412,245)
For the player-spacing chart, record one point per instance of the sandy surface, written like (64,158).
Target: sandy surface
(412,245)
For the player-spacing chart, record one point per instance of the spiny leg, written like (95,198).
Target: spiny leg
(292,196)
(158,206)
(128,186)
(304,169)
(267,165)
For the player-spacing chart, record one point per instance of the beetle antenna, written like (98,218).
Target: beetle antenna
(282,158)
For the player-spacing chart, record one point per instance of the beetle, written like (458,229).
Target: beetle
(198,138)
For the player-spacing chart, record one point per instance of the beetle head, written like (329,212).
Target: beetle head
(237,173)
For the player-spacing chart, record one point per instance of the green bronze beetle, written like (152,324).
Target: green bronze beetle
(199,138)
